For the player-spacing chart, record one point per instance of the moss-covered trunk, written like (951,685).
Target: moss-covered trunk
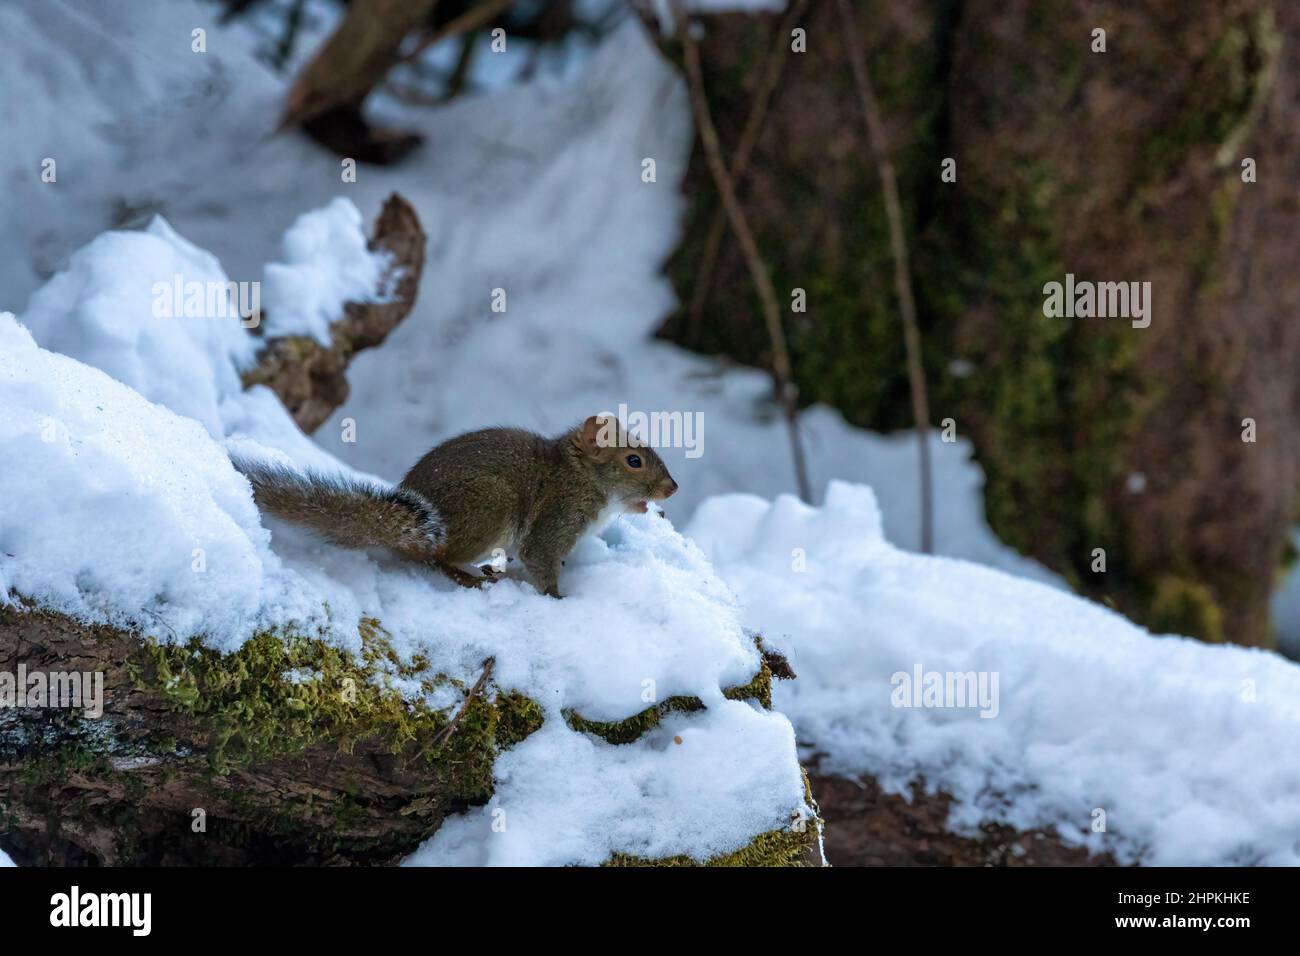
(286,751)
(1116,166)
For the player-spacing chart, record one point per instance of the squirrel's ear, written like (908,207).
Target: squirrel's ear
(592,436)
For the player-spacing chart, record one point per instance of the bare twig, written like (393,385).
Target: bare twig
(781,370)
(774,64)
(471,19)
(464,60)
(902,271)
(292,24)
(445,734)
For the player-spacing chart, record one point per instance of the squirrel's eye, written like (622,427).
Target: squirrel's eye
(634,461)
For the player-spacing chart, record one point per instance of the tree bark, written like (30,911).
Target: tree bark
(316,784)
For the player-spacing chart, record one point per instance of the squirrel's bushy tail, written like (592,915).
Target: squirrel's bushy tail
(348,512)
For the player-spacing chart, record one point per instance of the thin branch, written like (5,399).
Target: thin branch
(781,371)
(444,735)
(774,64)
(471,19)
(902,271)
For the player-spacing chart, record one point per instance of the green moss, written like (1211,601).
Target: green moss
(1217,107)
(518,716)
(631,728)
(1052,401)
(796,845)
(279,694)
(1182,606)
(1053,404)
(773,848)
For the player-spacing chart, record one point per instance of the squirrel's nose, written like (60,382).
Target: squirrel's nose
(672,488)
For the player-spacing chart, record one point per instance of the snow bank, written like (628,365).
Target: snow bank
(4,859)
(115,95)
(1180,743)
(119,510)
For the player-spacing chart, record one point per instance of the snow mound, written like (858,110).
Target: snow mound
(116,509)
(726,765)
(326,263)
(121,306)
(119,510)
(1176,742)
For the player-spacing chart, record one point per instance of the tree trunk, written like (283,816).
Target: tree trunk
(1118,166)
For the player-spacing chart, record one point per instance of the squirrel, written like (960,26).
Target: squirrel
(494,488)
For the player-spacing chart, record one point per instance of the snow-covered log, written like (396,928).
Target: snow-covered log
(286,751)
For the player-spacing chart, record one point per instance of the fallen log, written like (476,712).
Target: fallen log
(200,758)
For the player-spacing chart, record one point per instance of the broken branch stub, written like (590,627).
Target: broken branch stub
(310,377)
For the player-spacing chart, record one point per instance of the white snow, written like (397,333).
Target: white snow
(644,619)
(112,480)
(326,264)
(4,860)
(663,9)
(104,309)
(727,769)
(535,190)
(1182,744)
(120,510)
(110,500)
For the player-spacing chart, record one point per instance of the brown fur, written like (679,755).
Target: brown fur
(495,488)
(350,513)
